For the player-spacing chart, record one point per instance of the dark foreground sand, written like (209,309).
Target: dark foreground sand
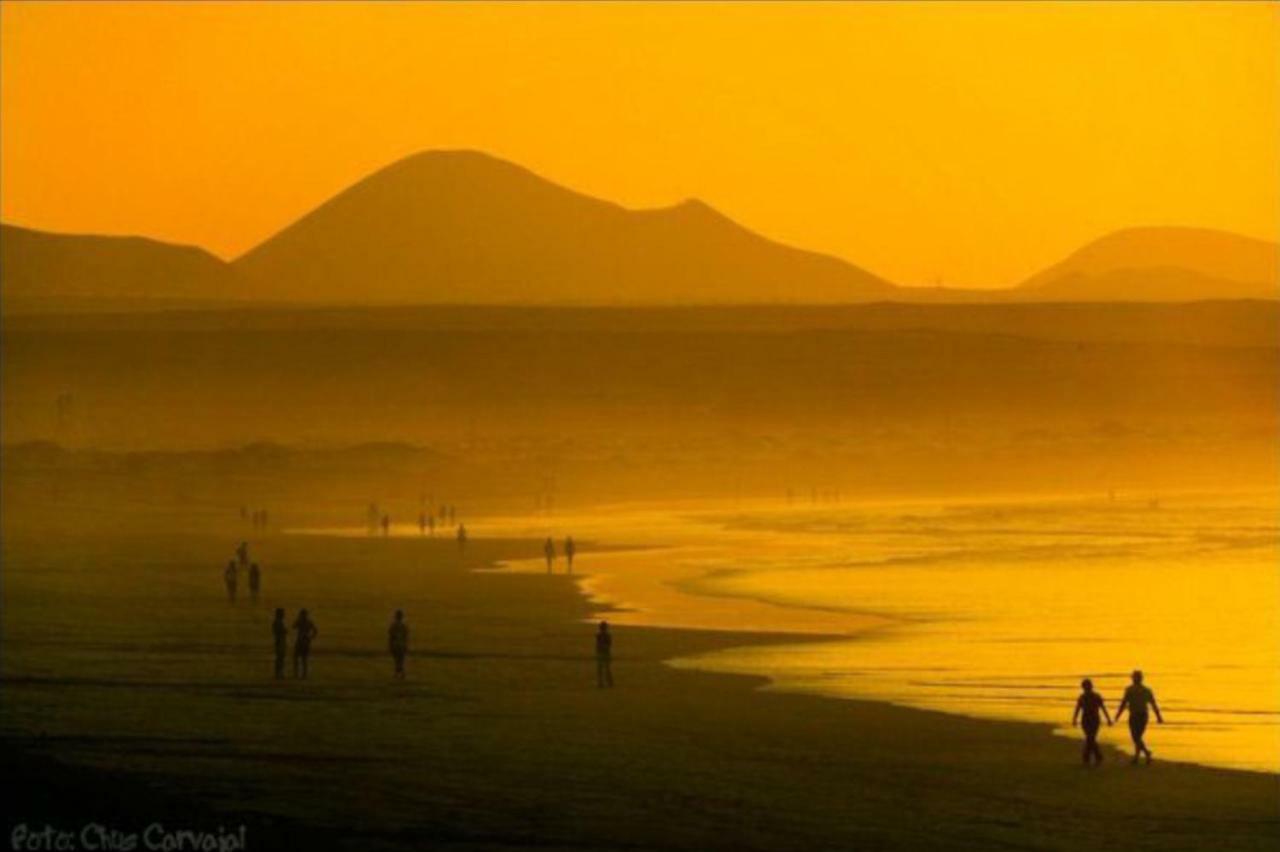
(133,692)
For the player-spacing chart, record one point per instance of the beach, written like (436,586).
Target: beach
(125,664)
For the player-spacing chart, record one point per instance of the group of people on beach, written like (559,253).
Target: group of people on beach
(398,632)
(1091,709)
(231,576)
(256,517)
(549,552)
(378,521)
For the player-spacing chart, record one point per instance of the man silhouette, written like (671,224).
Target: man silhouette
(569,550)
(1088,707)
(1136,698)
(280,634)
(604,656)
(549,551)
(302,644)
(229,578)
(255,580)
(398,642)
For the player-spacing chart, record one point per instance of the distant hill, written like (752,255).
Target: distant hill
(1162,264)
(464,227)
(46,271)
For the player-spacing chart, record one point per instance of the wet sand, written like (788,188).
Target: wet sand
(125,664)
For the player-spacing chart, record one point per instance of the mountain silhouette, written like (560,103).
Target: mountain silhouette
(465,227)
(1162,264)
(46,271)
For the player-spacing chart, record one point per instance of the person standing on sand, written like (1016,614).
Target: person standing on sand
(569,550)
(1088,707)
(549,551)
(280,634)
(398,642)
(422,523)
(229,578)
(255,581)
(386,525)
(302,644)
(604,656)
(462,538)
(1136,698)
(431,525)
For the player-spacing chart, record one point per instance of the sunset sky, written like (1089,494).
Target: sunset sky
(974,143)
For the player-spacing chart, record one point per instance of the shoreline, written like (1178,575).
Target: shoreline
(500,735)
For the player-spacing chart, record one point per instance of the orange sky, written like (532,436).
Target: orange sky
(971,142)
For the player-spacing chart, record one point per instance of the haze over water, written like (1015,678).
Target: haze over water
(992,609)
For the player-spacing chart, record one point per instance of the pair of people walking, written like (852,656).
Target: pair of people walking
(549,551)
(306,630)
(1090,709)
(231,579)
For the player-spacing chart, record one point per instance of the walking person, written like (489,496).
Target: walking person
(280,633)
(229,578)
(398,642)
(306,629)
(569,550)
(549,551)
(255,581)
(1136,699)
(1088,707)
(604,656)
(462,538)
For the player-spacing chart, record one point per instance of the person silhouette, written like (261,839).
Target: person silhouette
(1088,707)
(307,631)
(1136,698)
(398,642)
(229,578)
(569,550)
(462,538)
(604,656)
(280,634)
(255,580)
(549,551)
(386,525)
(431,526)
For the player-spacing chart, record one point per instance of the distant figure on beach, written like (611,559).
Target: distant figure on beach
(1088,707)
(604,656)
(386,525)
(422,523)
(280,634)
(1136,698)
(302,643)
(255,580)
(549,551)
(229,578)
(242,554)
(462,537)
(569,549)
(398,642)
